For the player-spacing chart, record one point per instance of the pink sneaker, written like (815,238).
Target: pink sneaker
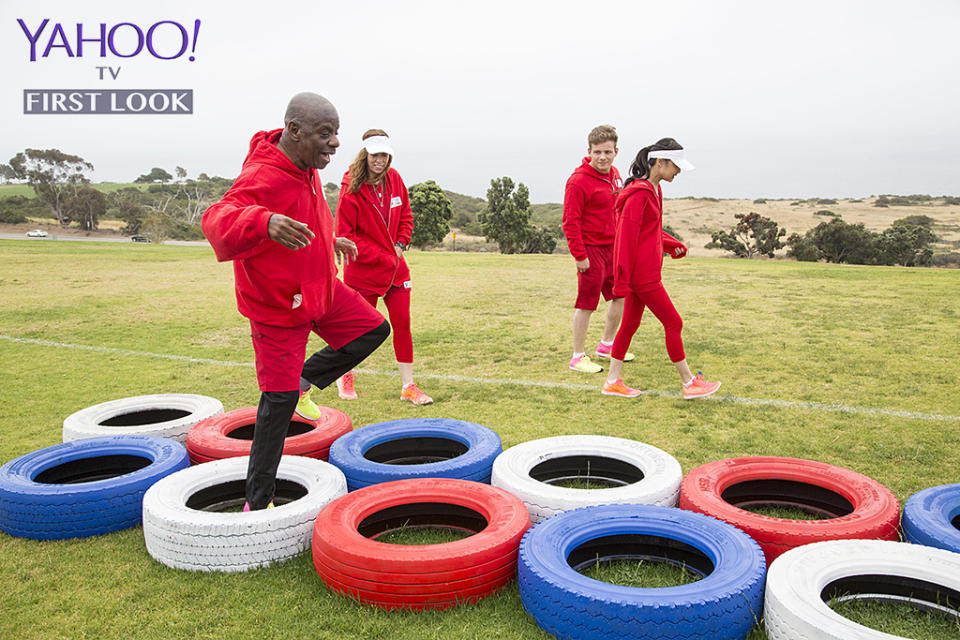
(345,387)
(700,388)
(617,388)
(604,351)
(412,393)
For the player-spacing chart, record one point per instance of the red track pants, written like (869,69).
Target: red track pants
(659,303)
(397,300)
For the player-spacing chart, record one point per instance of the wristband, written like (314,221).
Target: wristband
(403,247)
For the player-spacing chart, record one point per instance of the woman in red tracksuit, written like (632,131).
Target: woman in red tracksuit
(374,212)
(638,259)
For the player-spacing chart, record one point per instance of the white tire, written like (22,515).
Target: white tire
(646,475)
(180,534)
(895,571)
(165,415)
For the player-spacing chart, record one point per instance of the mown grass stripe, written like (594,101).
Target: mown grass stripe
(764,402)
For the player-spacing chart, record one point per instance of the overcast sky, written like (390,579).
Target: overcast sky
(770,98)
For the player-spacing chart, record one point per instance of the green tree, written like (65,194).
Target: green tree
(53,175)
(753,234)
(181,173)
(7,173)
(802,248)
(506,217)
(431,213)
(908,241)
(86,207)
(839,241)
(539,240)
(156,175)
(127,205)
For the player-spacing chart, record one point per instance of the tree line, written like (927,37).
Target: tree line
(168,208)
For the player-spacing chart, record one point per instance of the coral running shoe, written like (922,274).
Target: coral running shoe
(584,365)
(307,407)
(414,395)
(700,388)
(617,388)
(603,351)
(345,387)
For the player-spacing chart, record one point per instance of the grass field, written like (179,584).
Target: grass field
(854,366)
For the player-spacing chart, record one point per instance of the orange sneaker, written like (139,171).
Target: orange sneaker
(414,395)
(619,389)
(700,388)
(345,387)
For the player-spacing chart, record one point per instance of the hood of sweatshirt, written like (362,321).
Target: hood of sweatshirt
(586,169)
(263,150)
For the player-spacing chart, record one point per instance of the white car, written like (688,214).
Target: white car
(37,233)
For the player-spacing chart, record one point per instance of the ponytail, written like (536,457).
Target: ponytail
(640,169)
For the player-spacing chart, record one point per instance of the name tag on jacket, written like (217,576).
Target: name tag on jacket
(395,201)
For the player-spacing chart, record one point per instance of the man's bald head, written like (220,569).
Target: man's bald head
(310,128)
(307,109)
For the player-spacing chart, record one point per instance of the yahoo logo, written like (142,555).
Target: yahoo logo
(165,40)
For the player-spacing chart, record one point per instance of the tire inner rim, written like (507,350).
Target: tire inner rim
(919,594)
(422,515)
(92,469)
(808,498)
(146,416)
(245,431)
(420,450)
(607,472)
(228,496)
(636,547)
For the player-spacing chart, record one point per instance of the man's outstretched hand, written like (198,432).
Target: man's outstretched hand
(289,232)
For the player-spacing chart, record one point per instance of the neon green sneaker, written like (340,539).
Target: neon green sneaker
(307,407)
(584,365)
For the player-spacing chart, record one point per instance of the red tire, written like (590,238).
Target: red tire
(350,560)
(230,434)
(857,507)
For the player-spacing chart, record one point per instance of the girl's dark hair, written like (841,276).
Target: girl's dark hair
(640,168)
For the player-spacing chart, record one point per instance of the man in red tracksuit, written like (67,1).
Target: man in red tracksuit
(589,228)
(276,227)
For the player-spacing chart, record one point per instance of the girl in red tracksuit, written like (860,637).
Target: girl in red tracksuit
(374,212)
(638,259)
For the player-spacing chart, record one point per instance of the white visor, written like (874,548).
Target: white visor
(678,157)
(378,144)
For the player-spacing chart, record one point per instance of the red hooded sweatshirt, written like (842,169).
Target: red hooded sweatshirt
(641,240)
(275,285)
(360,217)
(588,208)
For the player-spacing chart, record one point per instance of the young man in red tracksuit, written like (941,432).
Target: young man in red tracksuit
(589,228)
(276,227)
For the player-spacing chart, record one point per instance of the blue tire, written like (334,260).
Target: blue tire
(724,605)
(932,517)
(417,448)
(84,487)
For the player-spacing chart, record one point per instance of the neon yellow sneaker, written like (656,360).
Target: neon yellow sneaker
(412,393)
(307,407)
(584,365)
(617,388)
(603,351)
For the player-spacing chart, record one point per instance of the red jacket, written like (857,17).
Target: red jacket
(641,240)
(588,208)
(275,285)
(359,218)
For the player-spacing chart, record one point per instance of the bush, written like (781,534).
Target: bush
(753,234)
(802,248)
(16,209)
(670,230)
(826,201)
(826,212)
(760,201)
(951,259)
(950,200)
(796,203)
